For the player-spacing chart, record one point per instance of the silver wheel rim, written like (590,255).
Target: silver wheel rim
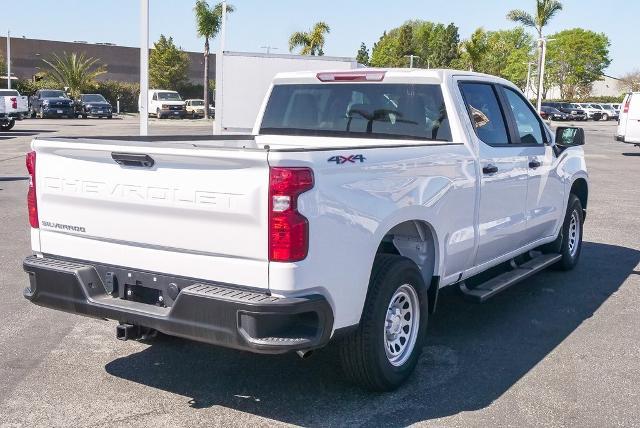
(401,325)
(574,234)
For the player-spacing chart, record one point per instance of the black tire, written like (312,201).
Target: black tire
(84,116)
(158,115)
(110,117)
(363,354)
(605,117)
(568,237)
(7,126)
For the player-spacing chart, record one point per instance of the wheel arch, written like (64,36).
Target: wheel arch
(580,188)
(416,240)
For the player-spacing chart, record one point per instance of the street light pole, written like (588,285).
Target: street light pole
(8,59)
(543,44)
(526,88)
(217,123)
(144,67)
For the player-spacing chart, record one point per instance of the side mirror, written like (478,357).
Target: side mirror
(567,136)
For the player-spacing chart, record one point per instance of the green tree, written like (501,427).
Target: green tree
(75,71)
(3,65)
(310,42)
(436,45)
(208,24)
(576,59)
(473,50)
(363,55)
(168,65)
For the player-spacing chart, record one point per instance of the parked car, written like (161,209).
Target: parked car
(13,106)
(629,122)
(164,104)
(574,111)
(593,112)
(552,113)
(93,105)
(608,112)
(358,197)
(195,108)
(51,103)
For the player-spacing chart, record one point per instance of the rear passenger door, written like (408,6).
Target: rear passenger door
(504,172)
(545,189)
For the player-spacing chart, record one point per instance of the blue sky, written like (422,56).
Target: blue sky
(258,23)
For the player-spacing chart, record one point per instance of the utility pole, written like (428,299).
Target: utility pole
(8,59)
(144,67)
(527,86)
(411,57)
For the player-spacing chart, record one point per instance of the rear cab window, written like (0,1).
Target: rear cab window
(365,110)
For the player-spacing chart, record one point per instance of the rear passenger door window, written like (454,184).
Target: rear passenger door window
(485,113)
(528,125)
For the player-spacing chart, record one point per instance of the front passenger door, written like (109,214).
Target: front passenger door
(545,188)
(504,173)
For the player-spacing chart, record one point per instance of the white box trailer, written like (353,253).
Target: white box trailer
(243,79)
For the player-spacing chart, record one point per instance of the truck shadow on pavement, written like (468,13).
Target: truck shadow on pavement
(475,353)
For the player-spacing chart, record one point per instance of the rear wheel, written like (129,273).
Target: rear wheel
(385,348)
(605,117)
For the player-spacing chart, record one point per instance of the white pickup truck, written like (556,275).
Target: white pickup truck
(13,106)
(360,195)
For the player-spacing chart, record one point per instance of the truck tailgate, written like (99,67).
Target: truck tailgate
(197,212)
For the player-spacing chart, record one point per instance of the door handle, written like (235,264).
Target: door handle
(490,169)
(534,164)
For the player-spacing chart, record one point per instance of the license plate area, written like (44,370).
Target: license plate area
(141,294)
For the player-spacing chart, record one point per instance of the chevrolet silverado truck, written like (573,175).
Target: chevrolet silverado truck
(358,196)
(13,106)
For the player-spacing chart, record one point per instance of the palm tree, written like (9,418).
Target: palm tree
(311,42)
(208,24)
(545,11)
(75,71)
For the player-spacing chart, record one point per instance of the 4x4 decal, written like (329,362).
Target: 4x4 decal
(340,160)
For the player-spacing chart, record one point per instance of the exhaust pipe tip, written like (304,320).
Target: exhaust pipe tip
(304,354)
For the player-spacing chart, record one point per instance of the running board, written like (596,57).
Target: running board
(503,281)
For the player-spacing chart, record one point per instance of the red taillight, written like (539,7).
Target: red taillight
(627,103)
(288,229)
(31,195)
(14,103)
(352,76)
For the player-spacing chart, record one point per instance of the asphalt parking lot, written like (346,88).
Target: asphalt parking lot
(561,349)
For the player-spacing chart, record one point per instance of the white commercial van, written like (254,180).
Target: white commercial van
(629,125)
(164,103)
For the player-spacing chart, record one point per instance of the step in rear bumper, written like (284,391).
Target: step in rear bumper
(223,315)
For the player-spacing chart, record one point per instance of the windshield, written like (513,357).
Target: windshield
(93,98)
(607,107)
(53,94)
(169,96)
(8,93)
(367,110)
(197,103)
